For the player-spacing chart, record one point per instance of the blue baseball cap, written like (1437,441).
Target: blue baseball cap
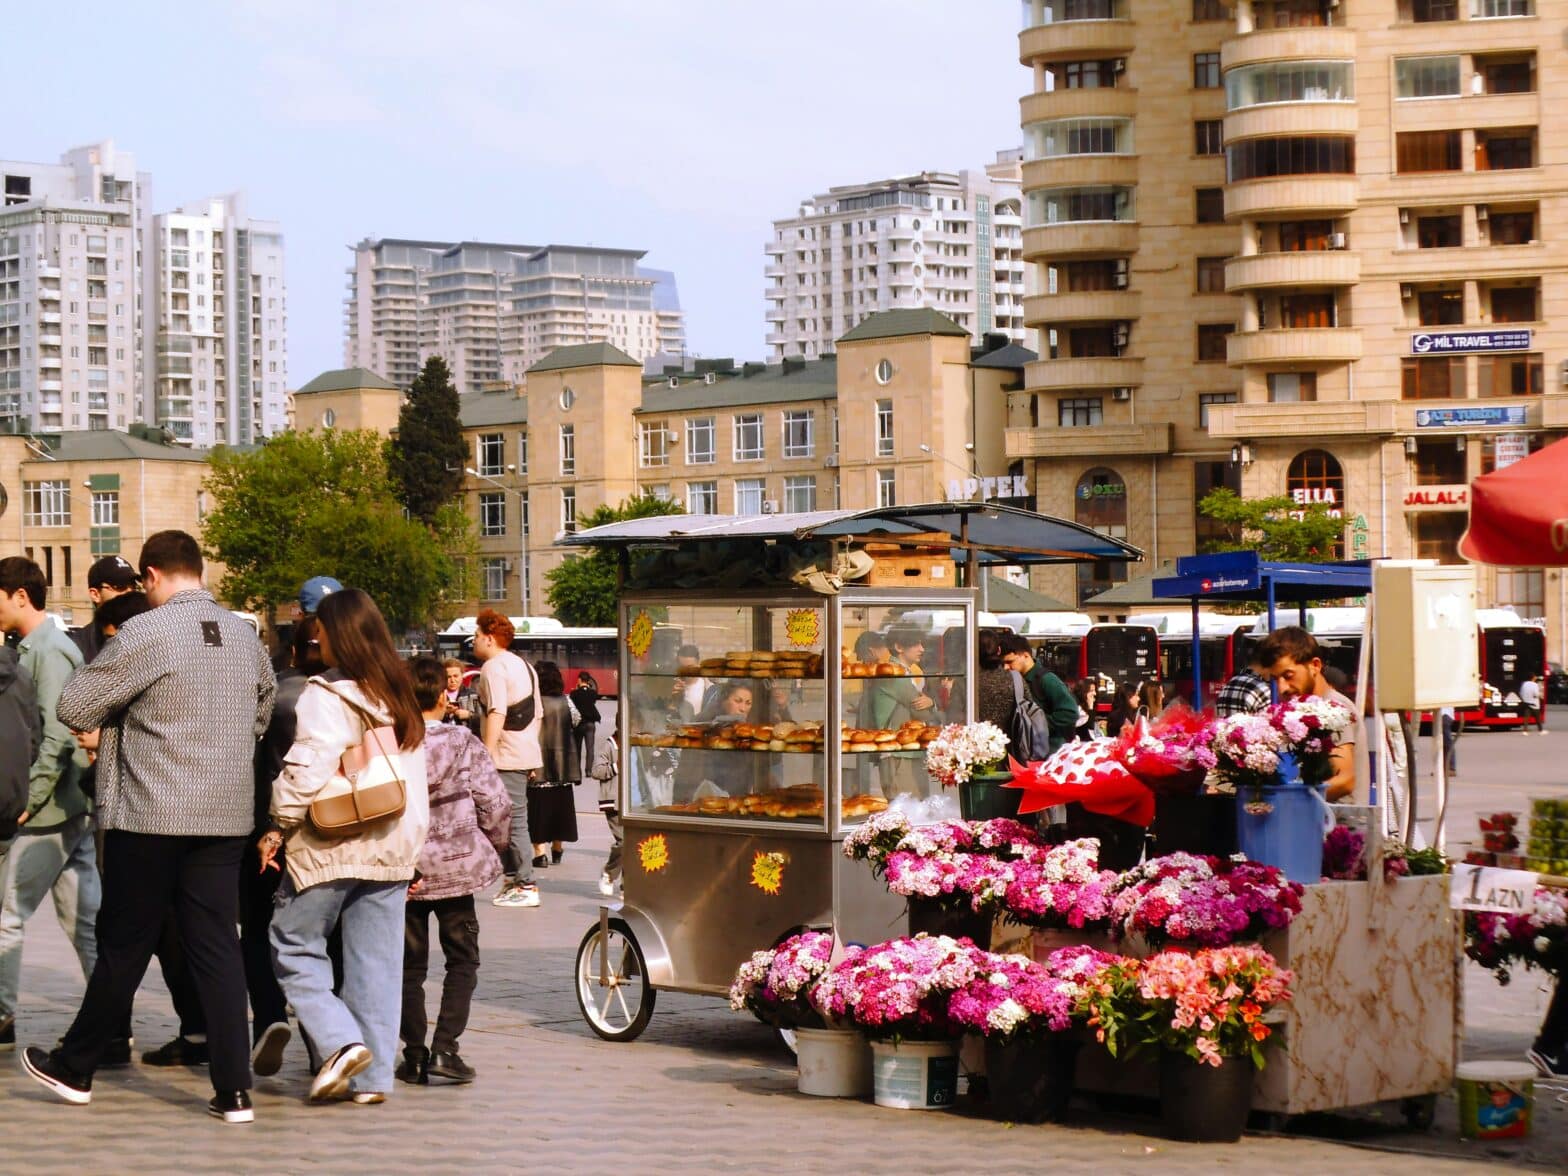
(313,590)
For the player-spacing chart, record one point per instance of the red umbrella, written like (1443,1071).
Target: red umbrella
(1519,514)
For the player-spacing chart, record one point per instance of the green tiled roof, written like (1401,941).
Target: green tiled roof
(583,355)
(890,324)
(504,407)
(1014,355)
(815,379)
(110,445)
(346,379)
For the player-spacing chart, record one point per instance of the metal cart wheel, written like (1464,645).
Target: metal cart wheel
(1419,1112)
(619,1009)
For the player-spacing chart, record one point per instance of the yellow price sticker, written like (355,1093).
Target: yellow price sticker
(767,872)
(639,638)
(653,853)
(803,626)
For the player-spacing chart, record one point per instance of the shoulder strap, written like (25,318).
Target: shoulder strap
(1018,687)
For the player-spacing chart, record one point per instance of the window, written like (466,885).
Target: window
(1439,232)
(1299,312)
(1436,534)
(1211,341)
(492,515)
(653,444)
(1305,236)
(1503,150)
(1209,10)
(1211,275)
(1289,81)
(522,504)
(1208,136)
(46,504)
(493,573)
(1435,308)
(749,495)
(1077,412)
(568,451)
(1205,399)
(702,498)
(1077,136)
(1511,447)
(1510,375)
(748,437)
(1511,228)
(1292,387)
(1315,478)
(1507,75)
(569,511)
(799,433)
(1438,462)
(1081,75)
(1422,11)
(1523,590)
(1210,206)
(887,493)
(1255,159)
(699,441)
(884,372)
(800,493)
(1426,77)
(522,453)
(1514,304)
(106,508)
(492,454)
(1205,71)
(1208,476)
(1426,151)
(1491,9)
(1100,503)
(1432,377)
(884,428)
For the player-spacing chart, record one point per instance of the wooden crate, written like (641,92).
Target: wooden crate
(911,565)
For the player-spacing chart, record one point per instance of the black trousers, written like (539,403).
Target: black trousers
(145,876)
(257,893)
(458,928)
(1552,1039)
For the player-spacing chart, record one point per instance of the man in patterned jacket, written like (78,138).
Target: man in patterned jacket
(190,689)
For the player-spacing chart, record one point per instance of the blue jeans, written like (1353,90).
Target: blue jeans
(371,914)
(61,862)
(518,857)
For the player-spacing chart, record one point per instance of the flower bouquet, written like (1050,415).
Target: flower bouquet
(1210,1005)
(1172,755)
(1535,939)
(1248,747)
(1344,854)
(961,750)
(900,989)
(1188,900)
(776,986)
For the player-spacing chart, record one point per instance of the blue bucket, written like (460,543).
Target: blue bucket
(1290,835)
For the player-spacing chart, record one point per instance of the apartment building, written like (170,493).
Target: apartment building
(948,241)
(71,345)
(493,310)
(1299,247)
(218,294)
(81,494)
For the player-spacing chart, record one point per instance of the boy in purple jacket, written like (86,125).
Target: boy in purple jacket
(470,825)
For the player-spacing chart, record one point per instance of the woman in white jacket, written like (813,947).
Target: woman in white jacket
(360,880)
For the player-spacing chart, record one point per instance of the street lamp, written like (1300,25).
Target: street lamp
(522,535)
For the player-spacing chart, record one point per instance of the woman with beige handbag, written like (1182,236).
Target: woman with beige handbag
(352,803)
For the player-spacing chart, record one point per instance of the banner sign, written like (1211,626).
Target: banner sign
(1448,418)
(1469,342)
(1508,448)
(1487,888)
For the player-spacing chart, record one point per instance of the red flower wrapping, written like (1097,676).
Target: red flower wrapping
(1087,774)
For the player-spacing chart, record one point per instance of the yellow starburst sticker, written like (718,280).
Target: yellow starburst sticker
(803,626)
(639,638)
(653,853)
(767,872)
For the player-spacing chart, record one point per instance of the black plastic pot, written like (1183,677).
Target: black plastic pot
(933,918)
(1200,1103)
(1030,1081)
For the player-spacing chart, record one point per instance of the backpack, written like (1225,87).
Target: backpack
(1028,734)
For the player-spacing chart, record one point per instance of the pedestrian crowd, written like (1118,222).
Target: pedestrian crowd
(281,839)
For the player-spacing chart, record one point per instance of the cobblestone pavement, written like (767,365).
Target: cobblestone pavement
(702,1090)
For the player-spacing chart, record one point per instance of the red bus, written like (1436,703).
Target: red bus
(1116,657)
(575,650)
(1510,653)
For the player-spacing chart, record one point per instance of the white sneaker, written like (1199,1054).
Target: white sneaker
(505,896)
(606,886)
(527,896)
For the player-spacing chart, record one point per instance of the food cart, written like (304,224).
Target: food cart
(762,716)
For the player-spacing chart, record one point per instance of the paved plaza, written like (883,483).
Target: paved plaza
(703,1089)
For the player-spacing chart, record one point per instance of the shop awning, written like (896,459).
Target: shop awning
(997,534)
(1519,514)
(1243,575)
(1003,596)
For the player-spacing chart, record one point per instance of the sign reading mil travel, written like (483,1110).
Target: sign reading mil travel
(1468,342)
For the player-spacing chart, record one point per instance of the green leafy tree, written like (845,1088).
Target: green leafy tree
(1276,528)
(427,455)
(581,589)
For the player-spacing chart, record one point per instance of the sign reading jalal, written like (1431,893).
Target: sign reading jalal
(1457,495)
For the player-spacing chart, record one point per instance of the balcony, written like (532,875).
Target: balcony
(1079,306)
(1258,271)
(51,386)
(1288,347)
(1081,239)
(1284,195)
(48,294)
(1292,118)
(49,361)
(1088,441)
(1301,44)
(1482,111)
(1056,375)
(50,340)
(1073,171)
(1071,40)
(1100,102)
(49,271)
(49,316)
(1338,418)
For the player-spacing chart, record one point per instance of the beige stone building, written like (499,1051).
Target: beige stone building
(1297,247)
(347,398)
(69,498)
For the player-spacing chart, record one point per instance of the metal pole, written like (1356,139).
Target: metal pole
(1197,661)
(1268,587)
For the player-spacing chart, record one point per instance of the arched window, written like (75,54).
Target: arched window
(1100,502)
(1316,477)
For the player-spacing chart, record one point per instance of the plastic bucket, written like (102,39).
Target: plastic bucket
(1496,1099)
(833,1063)
(914,1075)
(1287,830)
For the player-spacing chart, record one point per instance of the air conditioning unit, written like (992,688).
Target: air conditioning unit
(1336,240)
(1121,393)
(831,461)
(1404,216)
(770,506)
(1119,65)
(1562,373)
(1406,292)
(1123,334)
(709,378)
(1481,213)
(674,381)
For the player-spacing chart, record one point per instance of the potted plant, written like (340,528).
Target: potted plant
(1191,901)
(1277,761)
(970,757)
(1025,1011)
(1205,1011)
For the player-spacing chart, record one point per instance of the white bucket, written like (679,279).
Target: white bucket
(833,1063)
(915,1075)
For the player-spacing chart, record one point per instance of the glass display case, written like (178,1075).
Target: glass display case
(806,710)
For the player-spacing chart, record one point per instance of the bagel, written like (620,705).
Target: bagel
(862,746)
(743,731)
(888,670)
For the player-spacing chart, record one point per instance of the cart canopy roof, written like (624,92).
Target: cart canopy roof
(998,534)
(1242,575)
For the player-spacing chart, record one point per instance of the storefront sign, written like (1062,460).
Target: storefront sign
(767,872)
(1437,496)
(1102,490)
(1508,448)
(985,489)
(1316,496)
(1360,538)
(1468,342)
(1487,888)
(1448,418)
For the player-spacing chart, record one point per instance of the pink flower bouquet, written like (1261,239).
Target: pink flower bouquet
(1202,901)
(1248,747)
(776,986)
(1537,938)
(899,989)
(1172,755)
(1210,1005)
(1012,997)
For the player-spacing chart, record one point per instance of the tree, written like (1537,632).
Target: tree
(426,457)
(582,587)
(321,504)
(1277,528)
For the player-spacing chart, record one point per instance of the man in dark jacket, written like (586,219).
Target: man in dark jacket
(1061,710)
(21,731)
(108,578)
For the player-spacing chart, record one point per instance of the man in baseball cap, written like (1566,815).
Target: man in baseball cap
(314,590)
(109,577)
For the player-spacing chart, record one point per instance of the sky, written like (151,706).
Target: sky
(683,127)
